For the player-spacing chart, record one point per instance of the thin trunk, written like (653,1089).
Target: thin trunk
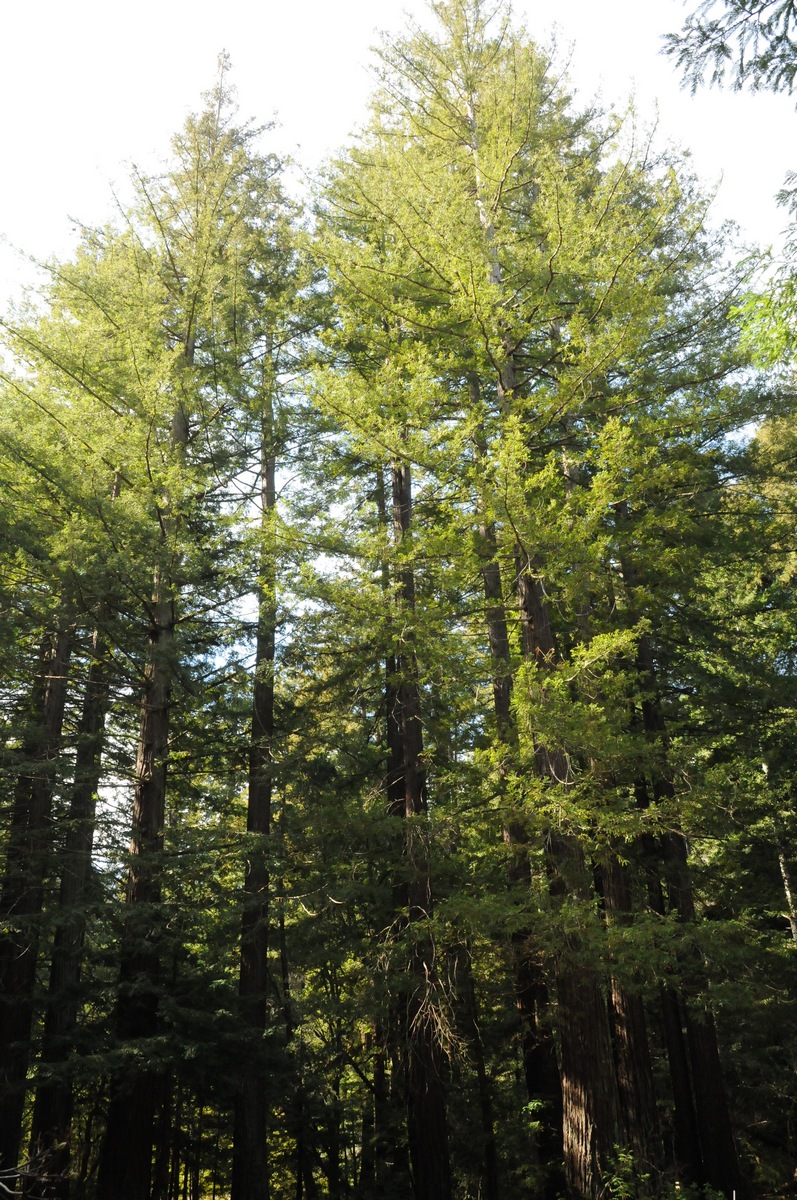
(366,1175)
(174,1148)
(332,1140)
(86,1161)
(785,875)
(626,1011)
(196,1151)
(390,1089)
(26,866)
(287,1003)
(250,1170)
(484,1089)
(166,1141)
(688,1159)
(426,1113)
(720,1164)
(384,1170)
(718,1148)
(788,890)
(305,1182)
(52,1113)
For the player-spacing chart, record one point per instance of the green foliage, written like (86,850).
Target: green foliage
(519,307)
(753,43)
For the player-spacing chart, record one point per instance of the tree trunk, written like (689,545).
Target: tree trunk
(592,1126)
(484,1090)
(250,1171)
(52,1113)
(426,1114)
(785,875)
(125,1167)
(365,1187)
(26,866)
(540,1067)
(126,1155)
(167,1139)
(630,1036)
(718,1156)
(718,1148)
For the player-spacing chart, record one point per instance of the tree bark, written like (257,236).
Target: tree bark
(592,1125)
(788,889)
(717,1161)
(426,1112)
(52,1112)
(26,866)
(541,1070)
(717,1144)
(630,1036)
(484,1089)
(126,1155)
(125,1167)
(250,1173)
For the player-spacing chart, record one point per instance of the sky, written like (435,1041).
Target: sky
(88,87)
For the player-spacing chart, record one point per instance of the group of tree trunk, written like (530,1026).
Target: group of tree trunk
(398,689)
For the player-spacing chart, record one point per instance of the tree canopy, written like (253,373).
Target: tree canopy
(398,680)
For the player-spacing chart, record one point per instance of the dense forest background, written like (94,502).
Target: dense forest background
(398,643)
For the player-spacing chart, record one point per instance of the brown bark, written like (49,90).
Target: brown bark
(718,1148)
(541,1070)
(717,1163)
(366,1175)
(630,1036)
(250,1172)
(484,1089)
(426,1113)
(592,1126)
(125,1159)
(540,1067)
(391,1172)
(686,1140)
(26,866)
(52,1112)
(125,1166)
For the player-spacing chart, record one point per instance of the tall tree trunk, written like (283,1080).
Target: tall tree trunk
(52,1112)
(718,1157)
(426,1112)
(26,866)
(592,1125)
(250,1171)
(686,1139)
(630,1036)
(541,1069)
(167,1139)
(126,1155)
(125,1167)
(718,1148)
(365,1187)
(484,1090)
(392,1172)
(590,1104)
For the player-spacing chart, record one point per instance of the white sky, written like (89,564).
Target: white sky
(87,86)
